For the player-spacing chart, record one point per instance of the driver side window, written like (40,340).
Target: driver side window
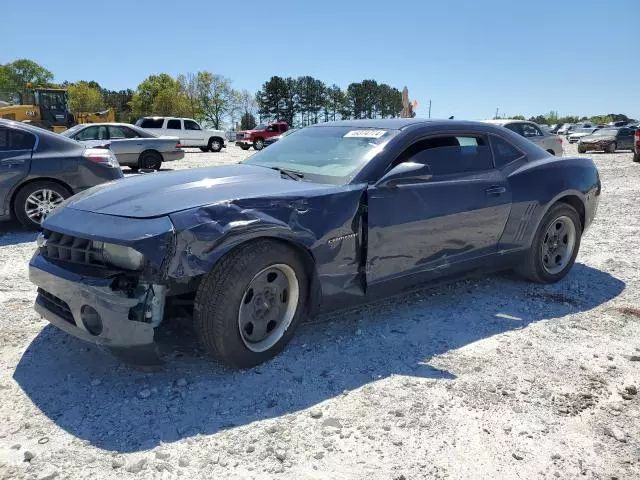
(450,154)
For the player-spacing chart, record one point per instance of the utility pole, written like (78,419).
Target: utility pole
(429,108)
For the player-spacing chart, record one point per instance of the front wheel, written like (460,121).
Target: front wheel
(581,149)
(554,247)
(248,307)
(36,200)
(612,147)
(258,144)
(636,157)
(244,147)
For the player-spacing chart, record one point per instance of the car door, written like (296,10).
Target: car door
(176,129)
(453,218)
(193,134)
(125,143)
(16,150)
(625,139)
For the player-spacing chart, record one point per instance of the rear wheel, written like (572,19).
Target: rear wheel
(555,245)
(134,168)
(636,156)
(258,144)
(551,152)
(204,149)
(581,149)
(248,307)
(215,144)
(244,147)
(150,160)
(612,147)
(36,200)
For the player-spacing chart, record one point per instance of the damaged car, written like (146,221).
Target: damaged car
(330,216)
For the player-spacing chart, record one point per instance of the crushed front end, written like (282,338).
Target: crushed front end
(100,278)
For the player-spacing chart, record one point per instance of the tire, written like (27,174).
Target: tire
(636,157)
(611,148)
(215,145)
(581,149)
(534,267)
(43,196)
(551,152)
(258,144)
(134,168)
(204,149)
(150,160)
(230,305)
(244,147)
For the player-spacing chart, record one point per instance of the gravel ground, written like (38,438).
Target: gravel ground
(489,378)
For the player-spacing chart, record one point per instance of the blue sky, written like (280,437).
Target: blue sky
(469,57)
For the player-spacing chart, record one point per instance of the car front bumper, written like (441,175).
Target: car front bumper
(244,143)
(64,295)
(172,155)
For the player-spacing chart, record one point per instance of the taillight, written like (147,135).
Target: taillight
(178,145)
(637,135)
(103,156)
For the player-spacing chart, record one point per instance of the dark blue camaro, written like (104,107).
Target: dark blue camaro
(331,215)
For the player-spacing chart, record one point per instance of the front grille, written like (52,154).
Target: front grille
(57,306)
(71,249)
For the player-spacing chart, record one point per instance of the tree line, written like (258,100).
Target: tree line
(552,118)
(211,98)
(305,100)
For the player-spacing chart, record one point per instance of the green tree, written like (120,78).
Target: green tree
(551,118)
(216,97)
(189,85)
(15,78)
(311,98)
(247,122)
(277,100)
(85,98)
(160,95)
(335,103)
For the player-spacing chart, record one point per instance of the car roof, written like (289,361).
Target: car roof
(505,121)
(397,123)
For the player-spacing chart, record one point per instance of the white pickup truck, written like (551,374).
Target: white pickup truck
(189,131)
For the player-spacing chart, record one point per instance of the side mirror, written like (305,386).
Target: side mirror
(406,173)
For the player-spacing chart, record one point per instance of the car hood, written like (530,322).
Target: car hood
(156,194)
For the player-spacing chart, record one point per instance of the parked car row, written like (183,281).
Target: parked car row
(533,132)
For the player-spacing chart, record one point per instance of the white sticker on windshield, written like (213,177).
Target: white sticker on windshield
(365,133)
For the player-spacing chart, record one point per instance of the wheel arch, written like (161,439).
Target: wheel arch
(30,181)
(149,150)
(303,252)
(215,137)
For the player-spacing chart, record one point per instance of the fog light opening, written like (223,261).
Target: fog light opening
(91,320)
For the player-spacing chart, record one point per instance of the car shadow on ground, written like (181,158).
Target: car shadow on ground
(12,233)
(131,411)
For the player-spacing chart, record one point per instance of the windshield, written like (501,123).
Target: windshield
(324,154)
(72,130)
(606,132)
(259,127)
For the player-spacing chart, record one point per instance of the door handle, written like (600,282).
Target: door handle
(495,191)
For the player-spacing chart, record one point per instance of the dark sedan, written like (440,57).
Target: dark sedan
(608,140)
(39,169)
(332,215)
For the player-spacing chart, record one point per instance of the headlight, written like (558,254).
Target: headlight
(120,256)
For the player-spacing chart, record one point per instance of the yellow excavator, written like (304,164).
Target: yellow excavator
(48,108)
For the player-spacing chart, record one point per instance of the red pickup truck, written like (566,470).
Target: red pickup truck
(255,138)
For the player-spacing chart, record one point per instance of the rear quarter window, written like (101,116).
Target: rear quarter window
(503,152)
(152,123)
(16,140)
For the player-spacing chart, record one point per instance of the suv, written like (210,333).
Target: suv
(532,131)
(189,131)
(255,137)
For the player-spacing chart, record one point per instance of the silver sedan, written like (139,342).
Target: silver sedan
(531,131)
(133,146)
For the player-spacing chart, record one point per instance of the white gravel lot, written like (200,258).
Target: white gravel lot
(487,379)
